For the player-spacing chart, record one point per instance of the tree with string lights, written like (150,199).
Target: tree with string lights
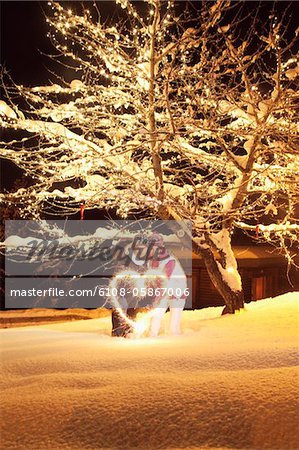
(171,115)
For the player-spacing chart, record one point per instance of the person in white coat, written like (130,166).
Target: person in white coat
(166,271)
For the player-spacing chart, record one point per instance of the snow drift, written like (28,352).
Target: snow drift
(228,382)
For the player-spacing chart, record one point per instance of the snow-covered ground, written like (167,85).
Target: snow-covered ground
(228,383)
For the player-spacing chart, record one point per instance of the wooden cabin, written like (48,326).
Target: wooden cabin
(263,271)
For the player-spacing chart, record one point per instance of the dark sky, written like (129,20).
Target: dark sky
(23,30)
(23,34)
(23,38)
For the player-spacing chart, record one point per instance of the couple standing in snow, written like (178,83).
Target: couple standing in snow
(162,273)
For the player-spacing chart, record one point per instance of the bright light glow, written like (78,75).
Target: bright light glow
(140,327)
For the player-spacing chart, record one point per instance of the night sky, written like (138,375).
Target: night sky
(24,38)
(23,34)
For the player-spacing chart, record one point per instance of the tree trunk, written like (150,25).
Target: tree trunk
(234,300)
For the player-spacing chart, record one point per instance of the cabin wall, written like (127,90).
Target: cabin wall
(260,279)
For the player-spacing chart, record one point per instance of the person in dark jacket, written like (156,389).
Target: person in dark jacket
(124,309)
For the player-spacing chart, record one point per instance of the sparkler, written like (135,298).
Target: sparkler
(135,285)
